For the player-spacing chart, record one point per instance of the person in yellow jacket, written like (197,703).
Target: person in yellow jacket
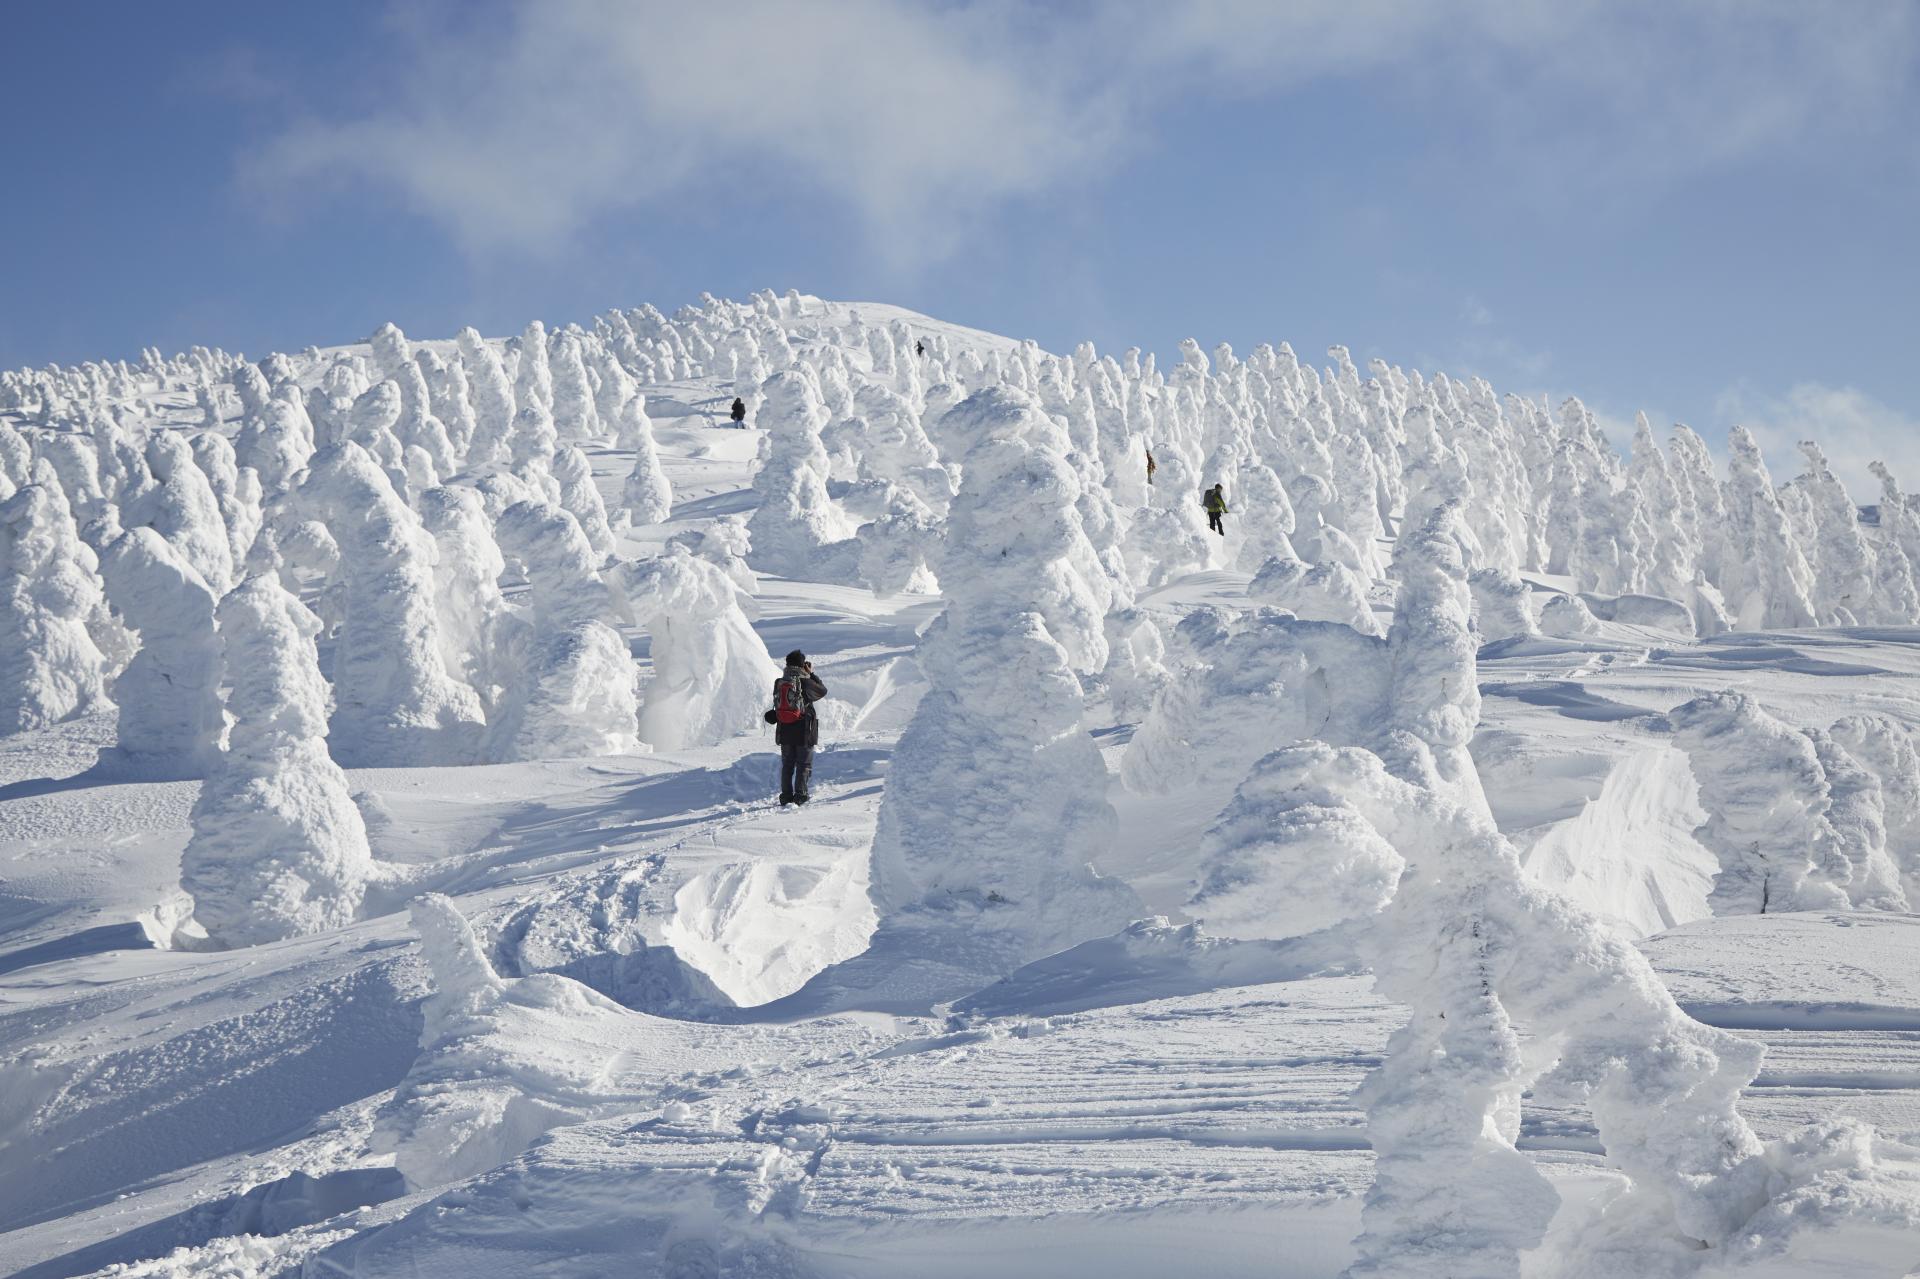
(1216,503)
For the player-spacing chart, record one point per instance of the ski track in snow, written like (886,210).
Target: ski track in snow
(1154,1119)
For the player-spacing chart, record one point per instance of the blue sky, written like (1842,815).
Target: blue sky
(1703,209)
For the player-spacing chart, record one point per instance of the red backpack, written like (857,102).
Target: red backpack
(789,699)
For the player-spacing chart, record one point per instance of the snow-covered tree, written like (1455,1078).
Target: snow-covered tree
(1769,791)
(996,801)
(395,701)
(236,490)
(477,631)
(184,510)
(795,520)
(1764,575)
(575,415)
(276,442)
(1502,605)
(493,404)
(169,694)
(533,380)
(581,499)
(1839,557)
(278,849)
(647,497)
(50,667)
(574,691)
(1315,593)
(711,671)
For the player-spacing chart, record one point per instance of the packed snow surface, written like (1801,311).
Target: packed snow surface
(1492,855)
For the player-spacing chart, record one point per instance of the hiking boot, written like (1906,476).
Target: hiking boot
(785,799)
(801,799)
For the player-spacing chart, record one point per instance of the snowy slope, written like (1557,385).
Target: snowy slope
(618,1013)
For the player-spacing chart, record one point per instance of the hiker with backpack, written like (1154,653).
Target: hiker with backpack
(797,726)
(739,411)
(1215,501)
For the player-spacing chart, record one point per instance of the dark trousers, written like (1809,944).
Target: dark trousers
(796,769)
(1213,522)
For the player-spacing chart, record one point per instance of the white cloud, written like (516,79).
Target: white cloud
(920,116)
(1852,427)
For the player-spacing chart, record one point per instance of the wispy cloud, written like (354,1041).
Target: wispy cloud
(920,116)
(1853,427)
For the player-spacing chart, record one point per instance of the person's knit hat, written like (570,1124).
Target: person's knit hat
(796,658)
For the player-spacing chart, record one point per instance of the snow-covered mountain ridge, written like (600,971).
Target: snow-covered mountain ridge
(392,883)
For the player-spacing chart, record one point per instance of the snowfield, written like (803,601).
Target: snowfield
(1494,856)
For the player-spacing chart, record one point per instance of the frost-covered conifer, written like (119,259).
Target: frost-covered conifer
(581,499)
(1764,576)
(276,442)
(50,667)
(1315,593)
(1839,557)
(1766,797)
(723,543)
(711,671)
(1074,595)
(562,571)
(1502,605)
(1672,547)
(533,380)
(1568,617)
(76,461)
(252,388)
(574,690)
(390,350)
(450,401)
(575,416)
(1265,525)
(493,404)
(169,694)
(796,520)
(1889,750)
(579,699)
(647,497)
(371,422)
(996,801)
(534,444)
(395,701)
(235,490)
(477,630)
(16,456)
(1855,854)
(184,509)
(278,848)
(417,427)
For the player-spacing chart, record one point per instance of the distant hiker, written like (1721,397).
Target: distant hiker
(1216,503)
(798,725)
(919,347)
(1151,466)
(739,411)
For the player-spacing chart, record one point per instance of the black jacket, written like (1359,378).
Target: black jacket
(806,729)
